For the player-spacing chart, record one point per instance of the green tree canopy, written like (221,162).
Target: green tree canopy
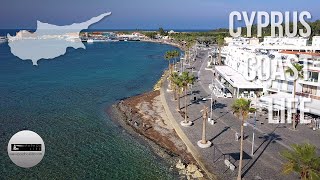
(303,160)
(299,69)
(241,107)
(162,32)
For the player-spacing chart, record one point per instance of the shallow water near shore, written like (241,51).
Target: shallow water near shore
(63,100)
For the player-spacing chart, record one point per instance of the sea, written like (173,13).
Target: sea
(64,100)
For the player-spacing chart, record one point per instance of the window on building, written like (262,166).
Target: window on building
(313,76)
(290,86)
(309,89)
(274,84)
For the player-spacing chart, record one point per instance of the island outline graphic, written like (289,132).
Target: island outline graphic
(49,41)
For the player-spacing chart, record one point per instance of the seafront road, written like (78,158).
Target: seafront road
(270,139)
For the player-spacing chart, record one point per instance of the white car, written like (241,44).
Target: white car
(229,95)
(219,95)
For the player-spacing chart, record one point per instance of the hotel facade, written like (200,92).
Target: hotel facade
(238,78)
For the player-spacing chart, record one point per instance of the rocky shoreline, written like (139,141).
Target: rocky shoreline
(143,116)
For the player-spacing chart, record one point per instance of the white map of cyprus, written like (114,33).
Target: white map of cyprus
(49,41)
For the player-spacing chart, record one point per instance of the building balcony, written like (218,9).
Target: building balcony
(308,95)
(311,82)
(271,89)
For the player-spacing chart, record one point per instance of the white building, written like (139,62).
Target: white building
(231,81)
(316,41)
(294,41)
(275,50)
(241,41)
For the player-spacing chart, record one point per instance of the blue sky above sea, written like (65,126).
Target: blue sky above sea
(141,14)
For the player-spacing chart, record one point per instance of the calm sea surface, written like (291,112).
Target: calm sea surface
(64,99)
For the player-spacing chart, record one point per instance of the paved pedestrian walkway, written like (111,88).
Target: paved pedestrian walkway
(269,139)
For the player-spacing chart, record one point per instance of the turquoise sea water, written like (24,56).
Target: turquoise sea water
(64,99)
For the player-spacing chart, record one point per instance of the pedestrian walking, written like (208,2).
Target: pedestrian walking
(296,120)
(237,136)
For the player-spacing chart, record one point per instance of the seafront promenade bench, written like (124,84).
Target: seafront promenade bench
(230,154)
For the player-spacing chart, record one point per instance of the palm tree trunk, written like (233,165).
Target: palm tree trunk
(175,93)
(203,140)
(178,102)
(186,105)
(241,151)
(187,58)
(294,106)
(187,55)
(219,56)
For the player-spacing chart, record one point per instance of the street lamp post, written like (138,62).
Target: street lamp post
(254,126)
(211,107)
(181,63)
(211,104)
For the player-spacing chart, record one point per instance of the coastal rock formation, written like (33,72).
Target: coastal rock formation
(146,116)
(191,171)
(197,174)
(192,168)
(180,165)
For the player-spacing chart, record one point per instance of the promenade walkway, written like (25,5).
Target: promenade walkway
(270,139)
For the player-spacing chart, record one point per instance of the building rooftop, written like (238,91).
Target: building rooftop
(235,78)
(304,53)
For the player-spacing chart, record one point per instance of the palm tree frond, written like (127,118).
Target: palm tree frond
(303,160)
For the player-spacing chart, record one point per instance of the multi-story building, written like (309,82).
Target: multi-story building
(293,41)
(316,41)
(274,51)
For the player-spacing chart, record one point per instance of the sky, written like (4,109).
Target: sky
(141,14)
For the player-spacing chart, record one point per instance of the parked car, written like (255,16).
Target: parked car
(219,95)
(229,95)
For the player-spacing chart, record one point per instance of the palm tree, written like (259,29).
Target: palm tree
(186,80)
(303,160)
(179,92)
(220,41)
(189,44)
(242,108)
(178,85)
(175,55)
(174,78)
(204,121)
(299,68)
(168,56)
